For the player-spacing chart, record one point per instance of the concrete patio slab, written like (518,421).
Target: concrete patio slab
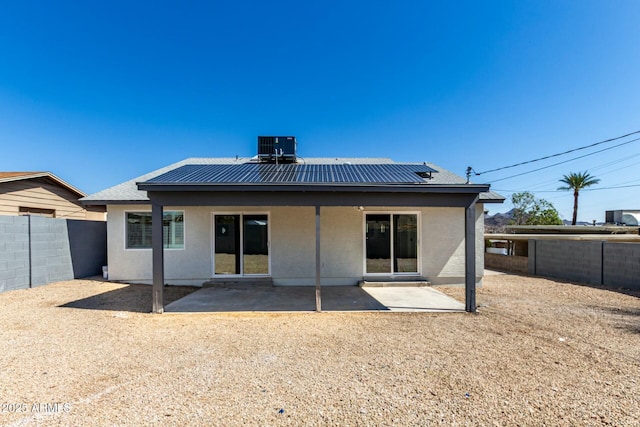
(247,298)
(415,299)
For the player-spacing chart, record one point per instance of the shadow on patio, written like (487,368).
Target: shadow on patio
(247,298)
(128,297)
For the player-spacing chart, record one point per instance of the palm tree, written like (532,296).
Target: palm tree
(576,182)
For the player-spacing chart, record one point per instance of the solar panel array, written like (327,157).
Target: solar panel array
(269,173)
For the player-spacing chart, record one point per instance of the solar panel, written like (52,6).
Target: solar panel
(180,173)
(269,173)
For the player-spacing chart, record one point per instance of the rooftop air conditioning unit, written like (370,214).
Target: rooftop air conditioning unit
(277,148)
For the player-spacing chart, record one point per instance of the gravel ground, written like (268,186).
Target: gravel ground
(539,352)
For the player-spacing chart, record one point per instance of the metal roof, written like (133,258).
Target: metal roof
(268,173)
(129,193)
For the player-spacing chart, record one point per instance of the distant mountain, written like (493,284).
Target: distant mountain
(495,223)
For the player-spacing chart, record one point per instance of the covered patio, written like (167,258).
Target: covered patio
(462,196)
(260,298)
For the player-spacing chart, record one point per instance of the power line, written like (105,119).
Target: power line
(568,193)
(566,161)
(519,191)
(628,182)
(558,154)
(614,162)
(542,184)
(610,188)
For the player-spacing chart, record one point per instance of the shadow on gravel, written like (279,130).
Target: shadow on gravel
(623,318)
(612,288)
(625,291)
(134,298)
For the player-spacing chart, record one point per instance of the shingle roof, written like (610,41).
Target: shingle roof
(491,197)
(4,175)
(128,191)
(17,176)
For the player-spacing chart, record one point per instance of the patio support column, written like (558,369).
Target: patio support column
(470,257)
(157,246)
(318,264)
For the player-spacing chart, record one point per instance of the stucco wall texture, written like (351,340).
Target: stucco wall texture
(292,245)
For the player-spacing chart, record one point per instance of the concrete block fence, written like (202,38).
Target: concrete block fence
(612,264)
(621,264)
(514,263)
(36,251)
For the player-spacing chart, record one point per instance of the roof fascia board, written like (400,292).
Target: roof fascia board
(66,184)
(329,198)
(114,202)
(22,177)
(45,175)
(379,188)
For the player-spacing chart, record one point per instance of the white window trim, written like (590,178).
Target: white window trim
(418,243)
(213,243)
(184,224)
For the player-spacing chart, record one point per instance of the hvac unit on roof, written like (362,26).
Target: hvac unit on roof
(277,148)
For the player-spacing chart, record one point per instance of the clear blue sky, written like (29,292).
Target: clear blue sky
(101,92)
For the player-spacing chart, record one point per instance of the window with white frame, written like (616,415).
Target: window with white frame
(138,230)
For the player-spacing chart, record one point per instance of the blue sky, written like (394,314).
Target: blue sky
(101,92)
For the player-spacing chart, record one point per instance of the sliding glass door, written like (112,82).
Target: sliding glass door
(255,244)
(241,244)
(378,235)
(405,243)
(391,243)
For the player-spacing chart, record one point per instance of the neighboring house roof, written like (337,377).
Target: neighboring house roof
(491,197)
(199,171)
(18,176)
(9,175)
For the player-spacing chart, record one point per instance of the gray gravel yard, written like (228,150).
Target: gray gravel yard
(539,352)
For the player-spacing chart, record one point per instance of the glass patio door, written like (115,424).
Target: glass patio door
(391,243)
(241,244)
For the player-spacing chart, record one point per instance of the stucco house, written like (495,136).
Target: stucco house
(44,194)
(293,221)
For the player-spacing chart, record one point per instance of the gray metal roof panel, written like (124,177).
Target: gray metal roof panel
(128,191)
(345,160)
(268,173)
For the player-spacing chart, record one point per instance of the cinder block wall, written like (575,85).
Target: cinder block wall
(50,253)
(580,261)
(596,262)
(516,264)
(621,265)
(36,251)
(14,253)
